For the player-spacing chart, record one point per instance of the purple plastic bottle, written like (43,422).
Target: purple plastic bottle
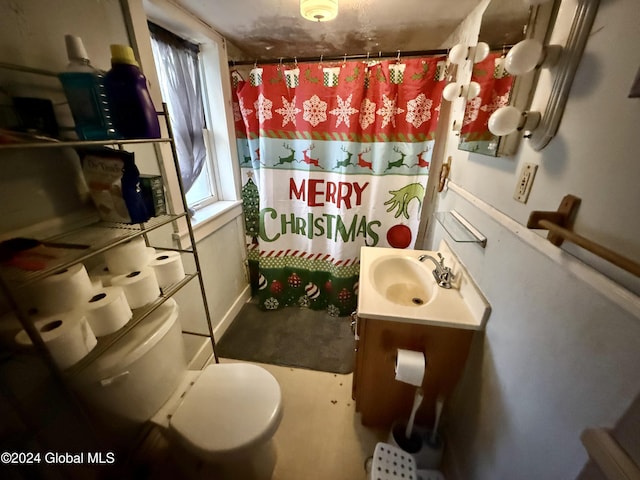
(132,110)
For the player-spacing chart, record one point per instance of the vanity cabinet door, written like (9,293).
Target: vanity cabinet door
(380,398)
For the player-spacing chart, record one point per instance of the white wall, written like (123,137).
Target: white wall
(37,186)
(222,253)
(558,355)
(225,280)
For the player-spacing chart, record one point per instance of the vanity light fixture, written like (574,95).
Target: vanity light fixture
(456,90)
(319,10)
(460,53)
(529,54)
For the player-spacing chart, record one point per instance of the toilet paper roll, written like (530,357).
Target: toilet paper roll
(96,284)
(410,367)
(168,268)
(63,291)
(101,273)
(68,337)
(140,286)
(107,311)
(128,257)
(151,252)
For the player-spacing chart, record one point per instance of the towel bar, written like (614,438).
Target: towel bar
(612,460)
(559,224)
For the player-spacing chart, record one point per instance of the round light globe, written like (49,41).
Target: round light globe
(504,121)
(473,90)
(451,91)
(458,54)
(482,52)
(523,57)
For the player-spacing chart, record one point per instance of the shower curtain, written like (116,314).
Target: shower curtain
(495,91)
(333,157)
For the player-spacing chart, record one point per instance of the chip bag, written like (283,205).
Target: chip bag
(114,184)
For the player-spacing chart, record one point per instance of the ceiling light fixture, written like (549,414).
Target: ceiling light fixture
(319,10)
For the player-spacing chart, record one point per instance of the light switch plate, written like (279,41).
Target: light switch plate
(523,187)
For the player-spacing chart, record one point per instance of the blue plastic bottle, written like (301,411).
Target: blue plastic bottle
(133,113)
(83,86)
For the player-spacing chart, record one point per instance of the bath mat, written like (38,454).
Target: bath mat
(293,337)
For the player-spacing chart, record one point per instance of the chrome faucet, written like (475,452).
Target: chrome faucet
(441,273)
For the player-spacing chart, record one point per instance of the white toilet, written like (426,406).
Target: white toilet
(224,415)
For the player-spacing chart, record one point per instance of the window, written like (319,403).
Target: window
(180,73)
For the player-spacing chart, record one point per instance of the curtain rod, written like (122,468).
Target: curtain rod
(335,58)
(360,56)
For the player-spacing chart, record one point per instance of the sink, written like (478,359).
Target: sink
(396,286)
(403,280)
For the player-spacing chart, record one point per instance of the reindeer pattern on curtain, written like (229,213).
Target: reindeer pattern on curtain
(333,158)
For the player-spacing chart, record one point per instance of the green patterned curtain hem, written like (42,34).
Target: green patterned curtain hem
(316,283)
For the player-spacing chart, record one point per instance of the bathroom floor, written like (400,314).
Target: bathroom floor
(320,436)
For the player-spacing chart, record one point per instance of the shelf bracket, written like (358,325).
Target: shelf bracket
(563,217)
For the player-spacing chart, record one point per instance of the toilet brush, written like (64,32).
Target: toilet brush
(417,400)
(430,456)
(434,432)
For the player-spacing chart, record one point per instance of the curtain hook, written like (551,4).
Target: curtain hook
(320,64)
(379,53)
(344,60)
(295,60)
(255,64)
(398,58)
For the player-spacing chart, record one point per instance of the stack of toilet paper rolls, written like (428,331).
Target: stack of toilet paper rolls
(127,265)
(74,308)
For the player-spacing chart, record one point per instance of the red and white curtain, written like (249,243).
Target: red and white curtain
(333,157)
(495,90)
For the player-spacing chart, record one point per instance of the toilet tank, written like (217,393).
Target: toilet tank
(129,382)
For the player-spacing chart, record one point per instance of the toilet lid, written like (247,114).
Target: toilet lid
(229,407)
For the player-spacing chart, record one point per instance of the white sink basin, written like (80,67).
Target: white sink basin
(402,280)
(396,286)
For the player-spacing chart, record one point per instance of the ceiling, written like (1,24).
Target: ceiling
(274,28)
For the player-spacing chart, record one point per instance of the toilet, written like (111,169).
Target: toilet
(223,416)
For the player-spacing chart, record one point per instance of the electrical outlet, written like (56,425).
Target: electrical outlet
(523,187)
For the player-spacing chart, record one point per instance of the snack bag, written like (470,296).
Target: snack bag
(114,183)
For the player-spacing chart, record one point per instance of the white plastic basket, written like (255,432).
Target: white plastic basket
(392,463)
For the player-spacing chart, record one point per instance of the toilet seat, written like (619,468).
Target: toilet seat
(230,408)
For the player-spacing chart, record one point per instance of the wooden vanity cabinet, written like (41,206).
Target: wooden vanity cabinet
(379,397)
